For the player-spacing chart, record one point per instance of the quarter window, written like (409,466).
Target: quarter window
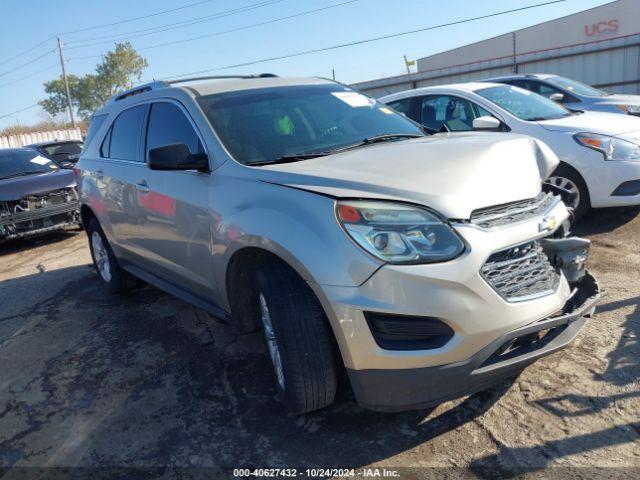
(125,135)
(94,126)
(168,125)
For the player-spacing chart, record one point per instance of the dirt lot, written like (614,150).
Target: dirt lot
(146,380)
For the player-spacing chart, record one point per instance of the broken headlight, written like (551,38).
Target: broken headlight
(398,233)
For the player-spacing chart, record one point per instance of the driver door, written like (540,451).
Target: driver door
(173,213)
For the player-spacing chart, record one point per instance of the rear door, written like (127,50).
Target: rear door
(173,217)
(119,174)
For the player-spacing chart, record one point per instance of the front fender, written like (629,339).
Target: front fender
(300,228)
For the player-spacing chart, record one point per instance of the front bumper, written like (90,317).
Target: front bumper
(39,221)
(406,389)
(605,178)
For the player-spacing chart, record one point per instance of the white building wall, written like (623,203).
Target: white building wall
(15,141)
(600,46)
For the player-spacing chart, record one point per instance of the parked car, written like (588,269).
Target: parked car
(35,195)
(64,153)
(572,94)
(599,152)
(429,267)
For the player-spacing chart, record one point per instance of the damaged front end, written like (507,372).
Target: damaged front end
(39,213)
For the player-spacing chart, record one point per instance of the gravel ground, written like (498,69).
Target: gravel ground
(147,381)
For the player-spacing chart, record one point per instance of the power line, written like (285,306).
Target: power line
(133,19)
(69,32)
(26,63)
(50,67)
(18,111)
(169,26)
(246,27)
(369,40)
(27,50)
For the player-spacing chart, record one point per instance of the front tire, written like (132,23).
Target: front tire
(113,277)
(298,338)
(568,178)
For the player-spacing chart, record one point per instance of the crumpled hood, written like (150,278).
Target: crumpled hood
(619,100)
(453,174)
(18,187)
(594,122)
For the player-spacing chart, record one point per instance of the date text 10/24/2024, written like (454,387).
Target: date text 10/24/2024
(316,473)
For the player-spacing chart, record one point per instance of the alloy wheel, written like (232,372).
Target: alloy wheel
(568,185)
(101,256)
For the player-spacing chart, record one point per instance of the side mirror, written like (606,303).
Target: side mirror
(177,156)
(486,123)
(556,97)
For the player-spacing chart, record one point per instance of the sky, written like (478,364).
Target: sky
(33,25)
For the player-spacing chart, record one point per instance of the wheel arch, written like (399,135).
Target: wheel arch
(238,286)
(568,166)
(87,214)
(244,261)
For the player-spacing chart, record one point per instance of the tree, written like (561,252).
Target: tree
(118,71)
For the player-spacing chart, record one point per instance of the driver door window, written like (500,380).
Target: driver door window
(455,113)
(168,125)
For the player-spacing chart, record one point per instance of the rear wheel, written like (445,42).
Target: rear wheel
(104,261)
(298,339)
(569,179)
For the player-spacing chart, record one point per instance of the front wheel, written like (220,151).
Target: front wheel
(567,178)
(298,339)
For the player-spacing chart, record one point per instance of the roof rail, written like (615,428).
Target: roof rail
(222,77)
(147,87)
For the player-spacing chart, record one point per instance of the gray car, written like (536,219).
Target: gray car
(572,94)
(427,266)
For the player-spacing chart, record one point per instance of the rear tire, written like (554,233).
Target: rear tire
(298,338)
(113,277)
(567,177)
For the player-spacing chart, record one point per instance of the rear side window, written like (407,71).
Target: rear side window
(168,125)
(125,135)
(94,126)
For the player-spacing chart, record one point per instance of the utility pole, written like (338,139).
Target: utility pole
(66,84)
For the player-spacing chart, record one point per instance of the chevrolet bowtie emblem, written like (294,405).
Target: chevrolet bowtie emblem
(548,224)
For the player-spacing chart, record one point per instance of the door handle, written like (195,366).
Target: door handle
(143,187)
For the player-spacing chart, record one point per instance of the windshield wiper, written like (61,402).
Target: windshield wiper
(294,157)
(377,139)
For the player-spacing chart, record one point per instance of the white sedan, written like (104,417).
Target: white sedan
(599,152)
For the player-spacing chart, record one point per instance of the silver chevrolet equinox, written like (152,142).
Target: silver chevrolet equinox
(428,265)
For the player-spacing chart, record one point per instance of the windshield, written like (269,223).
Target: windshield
(14,163)
(578,88)
(524,104)
(63,149)
(262,125)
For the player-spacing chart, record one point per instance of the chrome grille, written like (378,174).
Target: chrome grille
(521,273)
(515,212)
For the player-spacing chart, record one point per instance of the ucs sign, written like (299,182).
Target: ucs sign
(600,28)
